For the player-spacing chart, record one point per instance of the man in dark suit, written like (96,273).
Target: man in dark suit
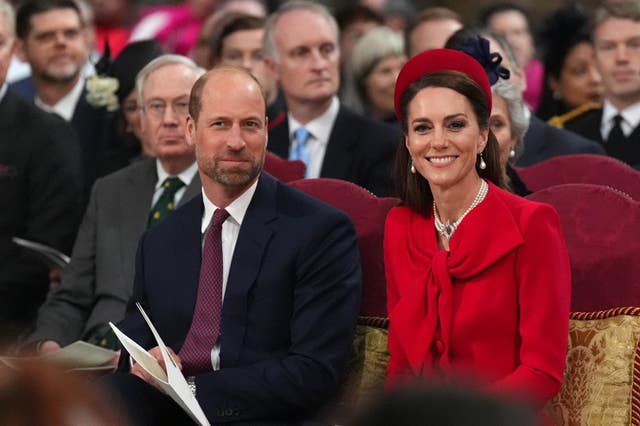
(39,188)
(301,47)
(51,38)
(616,125)
(97,284)
(261,309)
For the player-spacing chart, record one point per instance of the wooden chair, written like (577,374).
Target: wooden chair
(601,383)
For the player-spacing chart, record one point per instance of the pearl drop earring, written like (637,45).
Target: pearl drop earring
(483,165)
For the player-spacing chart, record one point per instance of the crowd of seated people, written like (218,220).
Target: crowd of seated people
(134,141)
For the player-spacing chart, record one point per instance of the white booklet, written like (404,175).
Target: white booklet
(78,356)
(52,257)
(172,382)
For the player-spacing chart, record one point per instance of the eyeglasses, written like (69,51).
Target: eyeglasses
(158,108)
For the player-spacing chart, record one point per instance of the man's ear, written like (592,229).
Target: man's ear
(272,67)
(20,50)
(190,135)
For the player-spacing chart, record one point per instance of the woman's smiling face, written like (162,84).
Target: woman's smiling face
(444,137)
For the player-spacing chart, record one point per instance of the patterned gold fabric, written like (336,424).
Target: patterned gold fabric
(601,382)
(367,366)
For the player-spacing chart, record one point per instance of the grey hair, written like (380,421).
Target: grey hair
(10,15)
(518,114)
(374,46)
(269,49)
(162,61)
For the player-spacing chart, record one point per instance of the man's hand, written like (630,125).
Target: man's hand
(55,276)
(155,352)
(48,347)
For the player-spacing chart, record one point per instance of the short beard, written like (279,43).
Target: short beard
(56,79)
(231,178)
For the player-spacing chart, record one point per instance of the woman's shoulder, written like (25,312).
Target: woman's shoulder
(402,216)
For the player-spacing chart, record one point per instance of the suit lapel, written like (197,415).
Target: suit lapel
(187,251)
(135,201)
(194,188)
(279,139)
(247,258)
(339,154)
(592,130)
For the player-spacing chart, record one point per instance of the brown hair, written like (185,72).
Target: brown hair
(412,188)
(622,9)
(430,14)
(229,24)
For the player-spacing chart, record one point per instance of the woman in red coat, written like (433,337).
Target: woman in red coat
(478,278)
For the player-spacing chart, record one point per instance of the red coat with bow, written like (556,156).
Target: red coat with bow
(494,308)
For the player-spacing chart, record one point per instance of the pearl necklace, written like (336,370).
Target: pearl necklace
(447,229)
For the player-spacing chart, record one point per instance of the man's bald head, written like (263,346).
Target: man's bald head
(222,71)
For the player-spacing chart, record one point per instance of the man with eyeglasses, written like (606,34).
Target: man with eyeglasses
(97,284)
(616,125)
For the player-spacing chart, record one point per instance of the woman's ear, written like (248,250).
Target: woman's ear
(484,139)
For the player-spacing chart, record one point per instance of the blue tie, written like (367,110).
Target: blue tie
(300,151)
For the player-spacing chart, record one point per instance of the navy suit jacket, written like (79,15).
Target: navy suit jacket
(289,311)
(94,129)
(40,193)
(543,141)
(359,150)
(588,125)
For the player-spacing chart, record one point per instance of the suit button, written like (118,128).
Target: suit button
(228,412)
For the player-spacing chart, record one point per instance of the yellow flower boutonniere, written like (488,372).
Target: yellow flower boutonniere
(102,92)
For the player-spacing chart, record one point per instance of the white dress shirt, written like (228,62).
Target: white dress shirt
(630,119)
(185,176)
(319,132)
(67,105)
(230,230)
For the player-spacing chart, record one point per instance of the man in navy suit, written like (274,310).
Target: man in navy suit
(289,272)
(51,38)
(301,47)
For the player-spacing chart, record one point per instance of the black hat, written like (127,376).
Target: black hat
(126,66)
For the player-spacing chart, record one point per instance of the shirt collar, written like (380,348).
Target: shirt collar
(67,105)
(185,176)
(3,90)
(237,209)
(321,126)
(631,114)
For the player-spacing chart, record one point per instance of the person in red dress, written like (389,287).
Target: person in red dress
(478,279)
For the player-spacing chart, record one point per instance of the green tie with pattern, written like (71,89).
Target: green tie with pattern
(165,204)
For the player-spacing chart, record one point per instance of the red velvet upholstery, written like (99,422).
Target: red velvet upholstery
(582,168)
(368,213)
(602,229)
(284,170)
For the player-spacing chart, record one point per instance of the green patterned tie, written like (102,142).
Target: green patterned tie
(165,204)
